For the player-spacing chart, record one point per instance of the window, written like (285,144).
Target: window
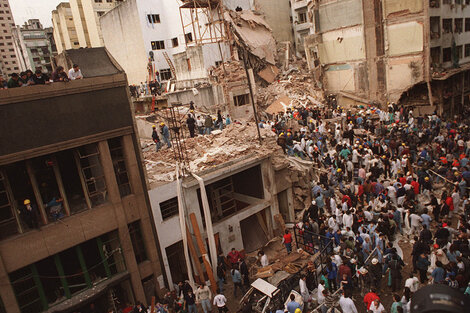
(436,56)
(109,1)
(158,45)
(137,242)
(446,55)
(459,51)
(174,41)
(153,18)
(302,17)
(467,50)
(98,1)
(188,37)
(467,24)
(100,13)
(241,100)
(119,165)
(16,68)
(447,25)
(165,74)
(434,3)
(447,1)
(458,25)
(218,63)
(92,171)
(169,208)
(458,1)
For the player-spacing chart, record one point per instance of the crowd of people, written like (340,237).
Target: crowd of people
(38,77)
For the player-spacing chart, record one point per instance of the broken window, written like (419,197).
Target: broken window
(137,242)
(188,37)
(153,18)
(70,174)
(169,208)
(165,74)
(467,50)
(446,55)
(92,171)
(458,25)
(302,17)
(447,25)
(158,45)
(174,41)
(467,24)
(436,56)
(434,3)
(25,286)
(241,100)
(232,194)
(119,165)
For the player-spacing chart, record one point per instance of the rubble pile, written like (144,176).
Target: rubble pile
(295,83)
(230,71)
(205,152)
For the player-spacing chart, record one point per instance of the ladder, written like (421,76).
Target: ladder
(172,67)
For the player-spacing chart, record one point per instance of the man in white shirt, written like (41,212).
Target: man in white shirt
(347,305)
(75,72)
(220,301)
(320,296)
(415,223)
(263,258)
(412,283)
(303,288)
(376,307)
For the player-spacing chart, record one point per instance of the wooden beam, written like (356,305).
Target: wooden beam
(203,251)
(192,251)
(37,193)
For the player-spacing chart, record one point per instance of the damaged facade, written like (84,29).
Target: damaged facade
(77,143)
(378,51)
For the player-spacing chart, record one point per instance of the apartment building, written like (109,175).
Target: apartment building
(391,51)
(88,236)
(65,34)
(300,24)
(9,62)
(32,41)
(86,24)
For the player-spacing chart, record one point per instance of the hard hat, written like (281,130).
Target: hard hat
(426,178)
(281,134)
(288,134)
(26,201)
(161,124)
(456,173)
(375,261)
(338,170)
(360,147)
(153,126)
(298,310)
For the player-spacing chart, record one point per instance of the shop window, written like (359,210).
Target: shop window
(137,240)
(119,165)
(92,171)
(169,208)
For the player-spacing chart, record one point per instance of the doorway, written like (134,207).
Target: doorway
(254,234)
(176,261)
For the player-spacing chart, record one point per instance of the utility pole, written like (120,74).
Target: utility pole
(243,52)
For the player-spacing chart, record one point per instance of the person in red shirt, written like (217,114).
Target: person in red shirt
(415,185)
(233,257)
(370,297)
(287,240)
(403,180)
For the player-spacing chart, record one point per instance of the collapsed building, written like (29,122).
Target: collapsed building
(410,52)
(234,190)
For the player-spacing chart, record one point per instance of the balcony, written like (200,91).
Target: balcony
(299,4)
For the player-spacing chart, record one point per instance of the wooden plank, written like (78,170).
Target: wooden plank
(37,194)
(192,251)
(60,184)
(202,249)
(152,306)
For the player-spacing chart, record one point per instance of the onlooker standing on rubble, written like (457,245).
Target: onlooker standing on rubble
(347,304)
(166,134)
(245,273)
(208,124)
(191,125)
(203,296)
(303,289)
(220,120)
(287,240)
(155,138)
(200,125)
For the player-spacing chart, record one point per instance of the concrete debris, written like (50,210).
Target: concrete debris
(231,71)
(269,73)
(253,32)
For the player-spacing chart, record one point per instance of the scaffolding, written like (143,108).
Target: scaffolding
(205,20)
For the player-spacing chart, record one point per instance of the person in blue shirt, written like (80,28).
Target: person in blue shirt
(293,305)
(166,134)
(332,272)
(55,208)
(426,220)
(439,273)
